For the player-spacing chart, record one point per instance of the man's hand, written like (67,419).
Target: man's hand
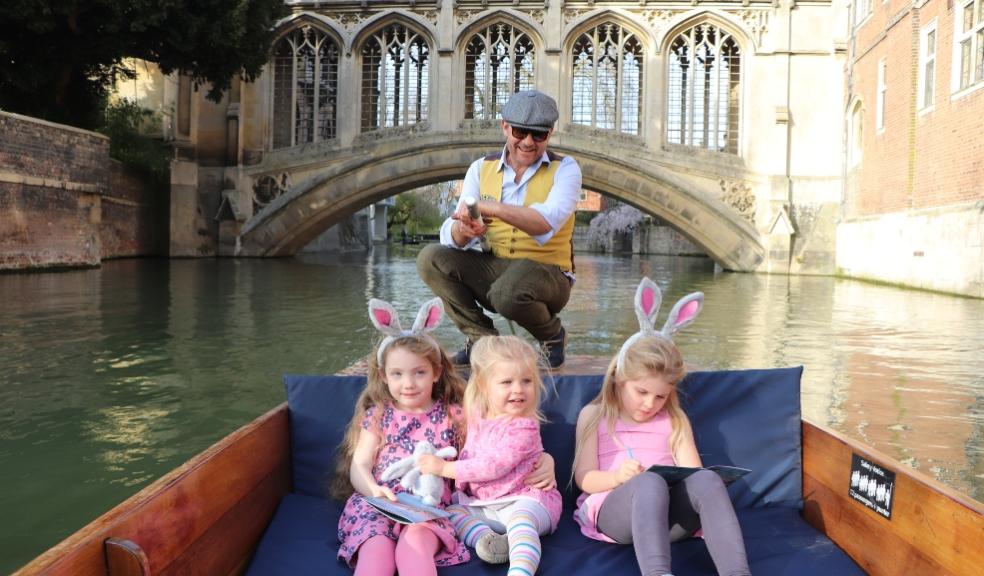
(382,492)
(466,228)
(542,477)
(628,470)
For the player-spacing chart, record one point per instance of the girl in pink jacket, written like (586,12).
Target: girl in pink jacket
(502,446)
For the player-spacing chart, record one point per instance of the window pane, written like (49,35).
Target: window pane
(929,83)
(283,81)
(607,79)
(979,59)
(583,80)
(395,78)
(931,43)
(304,94)
(704,89)
(327,89)
(499,61)
(965,63)
(679,74)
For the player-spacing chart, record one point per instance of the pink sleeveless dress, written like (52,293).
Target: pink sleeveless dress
(649,443)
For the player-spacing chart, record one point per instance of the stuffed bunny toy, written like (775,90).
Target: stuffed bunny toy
(648,298)
(385,319)
(428,487)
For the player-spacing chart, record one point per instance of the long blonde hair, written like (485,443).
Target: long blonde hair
(449,389)
(646,356)
(485,354)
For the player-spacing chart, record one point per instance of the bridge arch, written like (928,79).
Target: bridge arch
(381,169)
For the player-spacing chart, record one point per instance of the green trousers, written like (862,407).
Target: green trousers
(529,293)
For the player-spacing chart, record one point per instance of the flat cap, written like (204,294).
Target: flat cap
(530,109)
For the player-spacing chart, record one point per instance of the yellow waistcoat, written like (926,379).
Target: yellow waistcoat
(510,242)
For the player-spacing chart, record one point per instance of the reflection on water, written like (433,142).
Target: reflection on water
(114,376)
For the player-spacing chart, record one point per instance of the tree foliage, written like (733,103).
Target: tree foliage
(58,59)
(127,124)
(416,211)
(618,220)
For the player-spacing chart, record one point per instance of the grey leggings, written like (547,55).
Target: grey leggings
(648,514)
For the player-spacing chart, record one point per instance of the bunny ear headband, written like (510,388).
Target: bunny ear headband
(385,319)
(647,300)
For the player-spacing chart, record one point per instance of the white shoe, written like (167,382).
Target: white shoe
(493,548)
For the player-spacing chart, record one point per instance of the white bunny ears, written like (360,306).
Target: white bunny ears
(648,298)
(385,319)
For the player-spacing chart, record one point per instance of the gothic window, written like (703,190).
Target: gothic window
(607,79)
(968,35)
(704,89)
(855,142)
(305,87)
(395,74)
(498,61)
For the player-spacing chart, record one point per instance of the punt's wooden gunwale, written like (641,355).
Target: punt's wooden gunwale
(206,516)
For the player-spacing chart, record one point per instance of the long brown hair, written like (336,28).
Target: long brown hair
(646,356)
(449,389)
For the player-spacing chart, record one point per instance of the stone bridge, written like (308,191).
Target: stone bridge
(323,190)
(703,114)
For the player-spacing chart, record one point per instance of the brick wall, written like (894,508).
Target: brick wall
(134,215)
(926,158)
(913,205)
(44,227)
(949,157)
(32,147)
(64,203)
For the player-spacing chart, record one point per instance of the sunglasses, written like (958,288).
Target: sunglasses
(522,133)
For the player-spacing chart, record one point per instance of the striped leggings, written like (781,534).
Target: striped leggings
(524,519)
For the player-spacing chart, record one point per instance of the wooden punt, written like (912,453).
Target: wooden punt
(207,516)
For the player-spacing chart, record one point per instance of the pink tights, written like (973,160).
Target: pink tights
(413,554)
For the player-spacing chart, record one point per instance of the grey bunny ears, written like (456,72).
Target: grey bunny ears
(385,319)
(648,298)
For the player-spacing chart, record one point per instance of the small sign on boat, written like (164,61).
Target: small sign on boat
(872,485)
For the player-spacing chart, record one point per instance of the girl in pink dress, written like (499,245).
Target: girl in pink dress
(412,394)
(503,444)
(636,422)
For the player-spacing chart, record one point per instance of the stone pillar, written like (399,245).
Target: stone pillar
(187,221)
(349,118)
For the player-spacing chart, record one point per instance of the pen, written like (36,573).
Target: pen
(627,449)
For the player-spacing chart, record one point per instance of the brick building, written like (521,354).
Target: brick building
(914,190)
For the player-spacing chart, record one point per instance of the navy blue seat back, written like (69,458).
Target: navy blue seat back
(319,408)
(745,418)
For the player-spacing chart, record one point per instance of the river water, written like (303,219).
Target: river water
(113,376)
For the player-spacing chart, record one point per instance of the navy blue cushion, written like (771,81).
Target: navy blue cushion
(301,540)
(745,418)
(319,409)
(750,418)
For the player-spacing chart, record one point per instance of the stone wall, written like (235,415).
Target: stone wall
(64,203)
(646,239)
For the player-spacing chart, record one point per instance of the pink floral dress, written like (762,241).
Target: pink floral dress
(400,432)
